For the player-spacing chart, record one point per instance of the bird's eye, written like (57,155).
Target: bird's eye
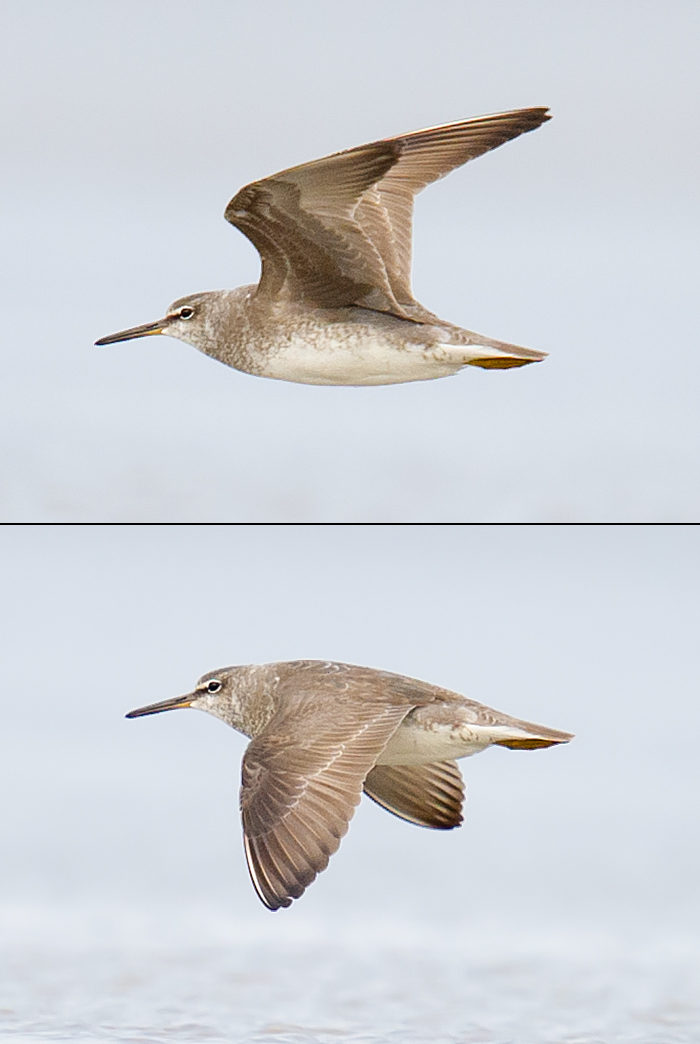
(214,686)
(185,312)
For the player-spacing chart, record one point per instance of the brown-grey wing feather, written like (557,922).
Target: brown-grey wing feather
(424,157)
(302,223)
(337,231)
(301,781)
(428,795)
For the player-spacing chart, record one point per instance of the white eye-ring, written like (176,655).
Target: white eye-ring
(185,312)
(213,686)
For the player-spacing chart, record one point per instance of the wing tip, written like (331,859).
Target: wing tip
(538,113)
(531,118)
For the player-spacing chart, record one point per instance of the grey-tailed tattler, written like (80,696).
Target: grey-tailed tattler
(334,303)
(321,733)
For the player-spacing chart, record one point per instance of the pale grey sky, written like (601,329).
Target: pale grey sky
(109,823)
(132,125)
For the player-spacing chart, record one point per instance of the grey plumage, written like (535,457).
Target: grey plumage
(334,303)
(321,733)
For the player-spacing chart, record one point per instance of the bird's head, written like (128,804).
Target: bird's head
(192,319)
(215,692)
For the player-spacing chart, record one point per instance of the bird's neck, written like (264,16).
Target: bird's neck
(255,698)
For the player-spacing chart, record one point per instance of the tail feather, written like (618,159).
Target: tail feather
(528,744)
(528,736)
(476,350)
(505,362)
(497,355)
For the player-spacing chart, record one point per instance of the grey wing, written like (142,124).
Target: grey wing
(301,223)
(424,157)
(428,795)
(299,791)
(337,231)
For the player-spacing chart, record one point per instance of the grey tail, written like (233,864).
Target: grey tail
(539,736)
(488,353)
(497,355)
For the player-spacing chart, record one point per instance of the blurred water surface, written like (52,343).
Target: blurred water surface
(420,986)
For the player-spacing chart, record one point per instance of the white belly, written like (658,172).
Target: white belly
(414,744)
(356,357)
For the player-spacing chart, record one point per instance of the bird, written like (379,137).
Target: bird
(334,303)
(322,733)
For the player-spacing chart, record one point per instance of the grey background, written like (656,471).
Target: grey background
(566,909)
(130,127)
(594,631)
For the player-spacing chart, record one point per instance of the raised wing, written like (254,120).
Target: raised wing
(337,231)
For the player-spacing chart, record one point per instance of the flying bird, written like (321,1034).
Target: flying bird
(334,303)
(321,733)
